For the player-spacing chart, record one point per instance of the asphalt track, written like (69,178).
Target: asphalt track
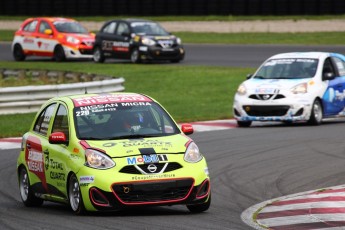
(217,55)
(247,166)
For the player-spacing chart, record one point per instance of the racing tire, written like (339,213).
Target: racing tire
(59,54)
(198,208)
(74,196)
(135,56)
(98,55)
(26,193)
(18,53)
(244,124)
(316,114)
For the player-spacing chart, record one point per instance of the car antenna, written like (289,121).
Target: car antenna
(85,90)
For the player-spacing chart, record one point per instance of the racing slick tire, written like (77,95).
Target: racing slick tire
(175,60)
(197,208)
(316,114)
(135,58)
(26,194)
(59,54)
(98,55)
(18,53)
(74,196)
(244,123)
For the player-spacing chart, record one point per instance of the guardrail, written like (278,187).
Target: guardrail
(26,99)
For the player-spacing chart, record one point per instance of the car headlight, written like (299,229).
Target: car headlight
(148,41)
(300,88)
(178,41)
(192,154)
(98,160)
(241,90)
(73,40)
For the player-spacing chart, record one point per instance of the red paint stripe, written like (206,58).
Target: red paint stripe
(299,212)
(307,226)
(12,140)
(308,200)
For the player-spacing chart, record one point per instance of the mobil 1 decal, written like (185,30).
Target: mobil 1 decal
(34,158)
(148,156)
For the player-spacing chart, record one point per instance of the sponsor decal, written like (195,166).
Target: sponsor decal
(28,40)
(108,145)
(153,176)
(146,143)
(108,99)
(147,159)
(86,179)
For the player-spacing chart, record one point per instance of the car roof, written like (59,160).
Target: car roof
(129,20)
(314,55)
(103,98)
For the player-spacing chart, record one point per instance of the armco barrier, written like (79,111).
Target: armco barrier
(28,99)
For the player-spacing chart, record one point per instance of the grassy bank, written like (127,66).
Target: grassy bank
(189,93)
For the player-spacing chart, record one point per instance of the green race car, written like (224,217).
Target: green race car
(105,152)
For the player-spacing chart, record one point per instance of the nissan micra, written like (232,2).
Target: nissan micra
(105,152)
(289,87)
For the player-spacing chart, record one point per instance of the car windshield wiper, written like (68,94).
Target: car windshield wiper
(133,136)
(91,138)
(259,77)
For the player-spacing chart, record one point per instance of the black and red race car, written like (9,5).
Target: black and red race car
(138,40)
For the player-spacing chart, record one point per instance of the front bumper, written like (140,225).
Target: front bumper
(80,52)
(296,109)
(158,53)
(108,190)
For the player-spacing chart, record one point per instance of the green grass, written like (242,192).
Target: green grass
(189,93)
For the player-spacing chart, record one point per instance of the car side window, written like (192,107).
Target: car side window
(122,28)
(328,67)
(31,26)
(110,28)
(43,120)
(43,26)
(340,65)
(61,121)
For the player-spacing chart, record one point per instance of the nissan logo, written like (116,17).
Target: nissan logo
(152,168)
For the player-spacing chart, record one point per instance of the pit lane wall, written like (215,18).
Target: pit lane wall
(26,99)
(170,7)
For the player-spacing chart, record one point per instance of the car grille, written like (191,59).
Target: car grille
(153,191)
(265,97)
(143,169)
(85,51)
(261,111)
(165,43)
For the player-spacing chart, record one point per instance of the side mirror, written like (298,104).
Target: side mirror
(187,129)
(249,76)
(58,138)
(327,76)
(48,32)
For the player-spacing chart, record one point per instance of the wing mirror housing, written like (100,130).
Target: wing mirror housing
(58,138)
(328,76)
(187,129)
(48,32)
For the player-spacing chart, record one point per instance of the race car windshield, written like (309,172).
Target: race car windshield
(123,120)
(287,68)
(148,28)
(70,27)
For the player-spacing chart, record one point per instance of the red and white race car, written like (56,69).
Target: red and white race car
(60,38)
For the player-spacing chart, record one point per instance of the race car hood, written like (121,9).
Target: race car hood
(267,85)
(129,147)
(158,38)
(81,37)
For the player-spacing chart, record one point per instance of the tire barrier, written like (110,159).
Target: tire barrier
(27,99)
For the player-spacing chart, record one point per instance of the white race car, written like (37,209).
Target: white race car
(288,87)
